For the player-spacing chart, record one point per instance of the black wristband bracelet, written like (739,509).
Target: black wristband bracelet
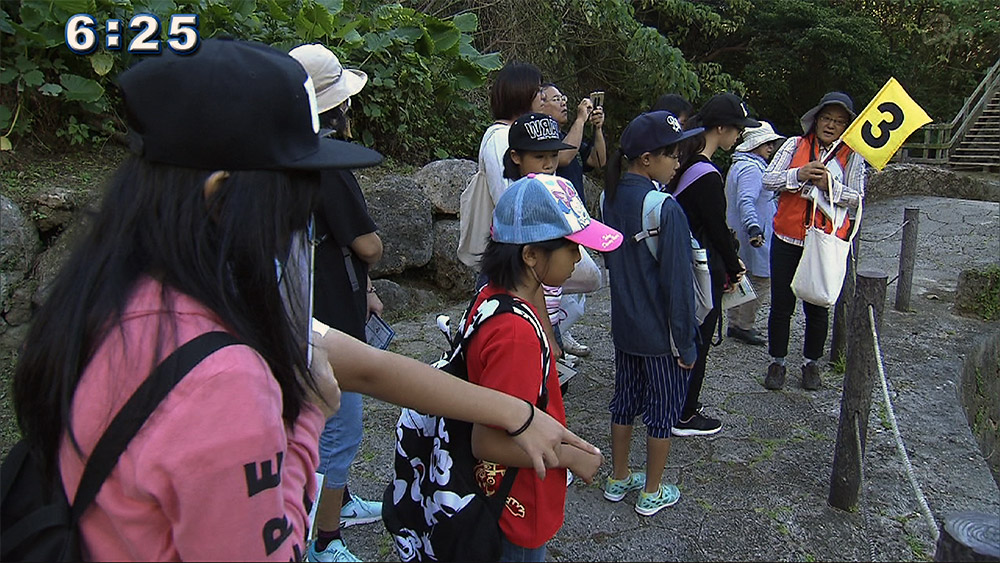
(527,423)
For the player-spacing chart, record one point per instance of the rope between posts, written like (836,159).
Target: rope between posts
(886,237)
(921,501)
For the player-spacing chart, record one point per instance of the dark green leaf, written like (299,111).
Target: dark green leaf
(467,22)
(33,78)
(81,89)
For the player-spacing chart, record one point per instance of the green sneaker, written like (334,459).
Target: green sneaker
(651,503)
(615,489)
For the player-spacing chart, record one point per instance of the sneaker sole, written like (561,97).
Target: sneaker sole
(682,432)
(359,521)
(652,511)
(614,498)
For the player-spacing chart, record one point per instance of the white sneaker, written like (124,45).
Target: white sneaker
(360,511)
(569,359)
(573,347)
(335,551)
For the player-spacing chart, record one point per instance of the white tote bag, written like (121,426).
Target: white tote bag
(475,215)
(823,266)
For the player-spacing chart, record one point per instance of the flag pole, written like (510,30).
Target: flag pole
(833,150)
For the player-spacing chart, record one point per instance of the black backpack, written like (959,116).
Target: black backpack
(37,522)
(434,508)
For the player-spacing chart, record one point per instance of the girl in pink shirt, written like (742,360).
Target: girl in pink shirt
(199,231)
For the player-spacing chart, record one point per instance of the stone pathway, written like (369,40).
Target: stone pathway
(758,490)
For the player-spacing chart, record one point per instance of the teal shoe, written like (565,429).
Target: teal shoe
(651,503)
(615,489)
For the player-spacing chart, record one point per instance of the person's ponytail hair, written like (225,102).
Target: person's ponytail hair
(612,174)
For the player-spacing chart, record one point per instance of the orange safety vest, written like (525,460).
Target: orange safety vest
(792,217)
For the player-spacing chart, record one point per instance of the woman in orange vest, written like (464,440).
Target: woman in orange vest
(798,174)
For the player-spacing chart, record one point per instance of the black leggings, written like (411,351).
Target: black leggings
(784,260)
(707,332)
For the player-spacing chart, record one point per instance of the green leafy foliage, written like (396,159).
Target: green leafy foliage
(421,67)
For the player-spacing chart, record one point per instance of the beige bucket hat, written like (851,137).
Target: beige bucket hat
(754,137)
(334,84)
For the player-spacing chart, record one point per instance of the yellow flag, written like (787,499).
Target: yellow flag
(885,124)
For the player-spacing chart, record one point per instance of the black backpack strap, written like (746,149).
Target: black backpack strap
(474,319)
(139,407)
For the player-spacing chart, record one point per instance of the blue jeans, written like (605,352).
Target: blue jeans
(340,440)
(513,552)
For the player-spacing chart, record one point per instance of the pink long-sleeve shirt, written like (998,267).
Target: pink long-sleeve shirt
(215,473)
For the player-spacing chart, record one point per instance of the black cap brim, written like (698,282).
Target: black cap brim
(334,153)
(549,145)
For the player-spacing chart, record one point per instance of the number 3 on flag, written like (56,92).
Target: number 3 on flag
(886,122)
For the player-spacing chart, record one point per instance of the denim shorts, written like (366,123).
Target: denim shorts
(515,553)
(340,440)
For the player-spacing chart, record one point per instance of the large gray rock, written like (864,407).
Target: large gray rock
(920,179)
(54,209)
(403,215)
(19,244)
(443,182)
(450,274)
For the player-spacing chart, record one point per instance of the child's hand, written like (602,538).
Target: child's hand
(583,464)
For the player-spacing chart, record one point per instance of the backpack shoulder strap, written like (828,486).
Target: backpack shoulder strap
(139,407)
(652,203)
(506,303)
(692,174)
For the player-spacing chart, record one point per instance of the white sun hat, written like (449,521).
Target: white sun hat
(334,84)
(754,137)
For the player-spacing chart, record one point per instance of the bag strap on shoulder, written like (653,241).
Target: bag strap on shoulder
(489,308)
(692,174)
(139,407)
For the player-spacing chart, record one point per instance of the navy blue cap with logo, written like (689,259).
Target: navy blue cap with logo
(232,105)
(651,131)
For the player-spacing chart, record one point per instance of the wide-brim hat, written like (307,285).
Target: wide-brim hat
(754,137)
(836,98)
(334,83)
(653,130)
(542,207)
(536,132)
(192,111)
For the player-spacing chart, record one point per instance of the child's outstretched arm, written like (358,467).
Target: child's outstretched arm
(406,382)
(494,445)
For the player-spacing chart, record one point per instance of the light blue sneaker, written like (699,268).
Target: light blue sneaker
(615,489)
(335,551)
(651,503)
(360,511)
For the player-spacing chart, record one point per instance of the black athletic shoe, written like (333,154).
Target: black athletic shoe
(697,425)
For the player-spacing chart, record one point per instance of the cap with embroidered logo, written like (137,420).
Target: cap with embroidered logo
(536,132)
(231,105)
(725,109)
(541,207)
(653,130)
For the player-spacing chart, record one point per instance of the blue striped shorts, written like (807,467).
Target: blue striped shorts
(654,386)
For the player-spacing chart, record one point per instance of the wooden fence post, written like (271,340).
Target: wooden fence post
(907,258)
(855,403)
(838,334)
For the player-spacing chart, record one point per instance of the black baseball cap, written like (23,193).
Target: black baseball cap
(231,105)
(653,130)
(725,109)
(536,132)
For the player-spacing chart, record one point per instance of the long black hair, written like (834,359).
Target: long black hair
(156,221)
